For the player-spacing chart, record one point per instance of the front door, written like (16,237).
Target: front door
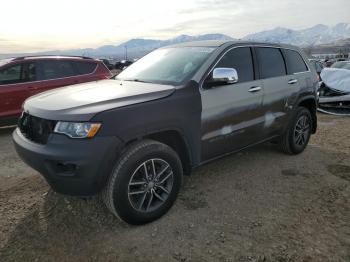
(231,114)
(15,83)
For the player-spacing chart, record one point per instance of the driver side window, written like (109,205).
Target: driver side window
(18,73)
(10,75)
(240,59)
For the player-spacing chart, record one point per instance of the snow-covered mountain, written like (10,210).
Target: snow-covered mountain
(135,47)
(141,46)
(316,35)
(313,36)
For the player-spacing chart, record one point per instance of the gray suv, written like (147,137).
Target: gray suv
(132,138)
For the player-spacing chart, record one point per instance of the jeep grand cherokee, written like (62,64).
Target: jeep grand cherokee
(132,138)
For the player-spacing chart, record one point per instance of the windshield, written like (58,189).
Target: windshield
(167,66)
(344,65)
(5,61)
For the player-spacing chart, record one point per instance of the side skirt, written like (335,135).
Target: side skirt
(235,151)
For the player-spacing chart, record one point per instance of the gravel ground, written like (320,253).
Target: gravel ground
(257,205)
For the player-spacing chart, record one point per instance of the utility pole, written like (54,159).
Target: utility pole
(126,52)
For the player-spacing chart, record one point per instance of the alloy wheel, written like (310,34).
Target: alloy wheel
(150,185)
(302,130)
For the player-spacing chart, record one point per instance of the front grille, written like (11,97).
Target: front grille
(36,129)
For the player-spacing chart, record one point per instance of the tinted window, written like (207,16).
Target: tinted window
(28,72)
(56,69)
(11,75)
(241,60)
(295,63)
(19,73)
(85,67)
(347,66)
(66,69)
(344,65)
(271,62)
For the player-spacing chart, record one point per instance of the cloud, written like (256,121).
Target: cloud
(199,25)
(212,5)
(65,24)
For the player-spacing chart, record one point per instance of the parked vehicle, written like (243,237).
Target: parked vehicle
(342,64)
(121,65)
(132,138)
(318,66)
(23,77)
(108,64)
(335,90)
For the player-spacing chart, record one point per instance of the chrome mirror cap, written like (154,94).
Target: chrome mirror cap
(225,75)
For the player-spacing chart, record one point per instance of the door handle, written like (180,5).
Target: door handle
(292,81)
(254,89)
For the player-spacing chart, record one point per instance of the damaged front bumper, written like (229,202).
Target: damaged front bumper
(335,105)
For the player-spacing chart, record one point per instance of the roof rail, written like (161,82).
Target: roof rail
(48,56)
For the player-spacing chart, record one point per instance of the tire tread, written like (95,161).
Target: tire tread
(285,142)
(107,193)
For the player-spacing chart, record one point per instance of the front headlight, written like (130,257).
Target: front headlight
(77,130)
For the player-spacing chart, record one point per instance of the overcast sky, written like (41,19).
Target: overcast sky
(38,25)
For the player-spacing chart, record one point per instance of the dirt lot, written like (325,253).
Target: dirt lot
(258,205)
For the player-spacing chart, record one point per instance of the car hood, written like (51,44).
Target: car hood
(336,78)
(81,102)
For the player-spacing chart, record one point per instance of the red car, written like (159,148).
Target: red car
(23,77)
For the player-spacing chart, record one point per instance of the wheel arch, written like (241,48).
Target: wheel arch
(310,103)
(175,140)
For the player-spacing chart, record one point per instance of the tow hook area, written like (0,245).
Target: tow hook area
(62,168)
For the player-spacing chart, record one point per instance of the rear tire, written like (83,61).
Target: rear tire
(298,133)
(144,183)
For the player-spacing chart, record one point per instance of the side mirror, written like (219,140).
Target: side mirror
(225,75)
(222,76)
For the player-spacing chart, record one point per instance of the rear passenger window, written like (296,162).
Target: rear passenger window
(241,60)
(84,68)
(294,61)
(56,69)
(271,62)
(65,69)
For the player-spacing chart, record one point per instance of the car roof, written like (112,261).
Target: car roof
(219,43)
(7,61)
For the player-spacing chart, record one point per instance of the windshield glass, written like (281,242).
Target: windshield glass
(5,61)
(167,66)
(344,65)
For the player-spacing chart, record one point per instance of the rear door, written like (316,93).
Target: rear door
(279,89)
(231,114)
(297,70)
(15,84)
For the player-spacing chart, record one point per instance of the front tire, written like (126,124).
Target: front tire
(144,183)
(298,133)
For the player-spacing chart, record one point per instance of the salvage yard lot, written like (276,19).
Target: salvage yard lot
(257,205)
